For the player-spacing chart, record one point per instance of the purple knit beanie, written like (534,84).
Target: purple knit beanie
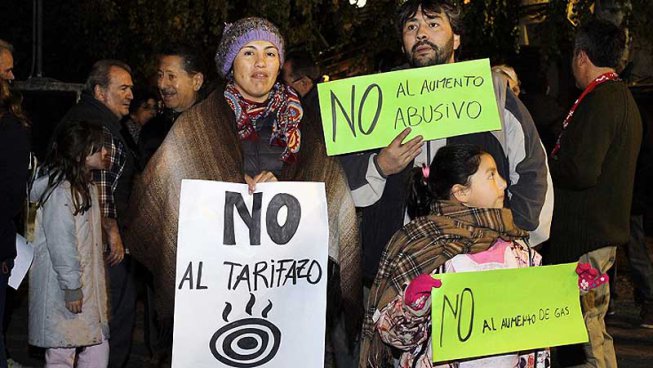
(240,33)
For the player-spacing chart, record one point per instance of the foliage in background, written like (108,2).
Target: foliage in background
(76,33)
(555,32)
(491,29)
(641,20)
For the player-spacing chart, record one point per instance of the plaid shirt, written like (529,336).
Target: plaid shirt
(107,180)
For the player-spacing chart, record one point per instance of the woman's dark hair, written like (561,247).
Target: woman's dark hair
(452,165)
(10,103)
(73,141)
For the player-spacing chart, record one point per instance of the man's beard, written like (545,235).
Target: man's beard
(441,55)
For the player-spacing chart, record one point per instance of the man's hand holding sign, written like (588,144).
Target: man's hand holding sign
(396,156)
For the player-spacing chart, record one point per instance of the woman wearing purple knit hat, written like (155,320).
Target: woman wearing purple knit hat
(246,131)
(249,57)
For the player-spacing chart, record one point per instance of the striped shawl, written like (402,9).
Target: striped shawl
(421,247)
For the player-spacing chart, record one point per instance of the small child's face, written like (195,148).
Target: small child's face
(486,187)
(97,160)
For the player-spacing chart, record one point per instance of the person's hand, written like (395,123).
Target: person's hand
(116,248)
(397,156)
(74,306)
(589,277)
(263,177)
(418,293)
(116,251)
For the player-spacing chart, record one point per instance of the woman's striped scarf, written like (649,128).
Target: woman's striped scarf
(284,103)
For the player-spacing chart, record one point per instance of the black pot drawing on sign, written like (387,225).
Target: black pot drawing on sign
(247,342)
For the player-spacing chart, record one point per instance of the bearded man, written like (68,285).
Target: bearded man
(430,31)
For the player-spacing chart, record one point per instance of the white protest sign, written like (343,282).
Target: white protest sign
(251,275)
(22,263)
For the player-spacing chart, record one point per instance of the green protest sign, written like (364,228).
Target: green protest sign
(492,312)
(367,112)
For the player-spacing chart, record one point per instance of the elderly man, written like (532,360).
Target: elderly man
(431,33)
(106,99)
(180,78)
(180,81)
(6,61)
(593,168)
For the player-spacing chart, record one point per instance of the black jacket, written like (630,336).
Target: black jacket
(14,161)
(153,134)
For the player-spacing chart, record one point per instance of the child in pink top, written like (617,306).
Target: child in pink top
(456,200)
